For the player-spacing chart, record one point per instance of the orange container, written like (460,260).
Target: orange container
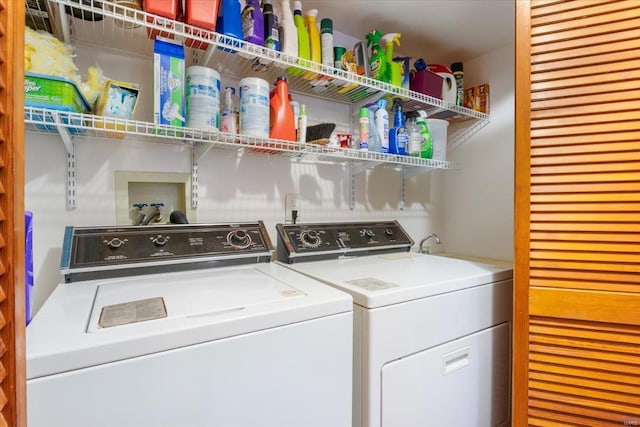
(281,123)
(164,8)
(202,13)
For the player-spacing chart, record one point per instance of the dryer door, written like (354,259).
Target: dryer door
(462,382)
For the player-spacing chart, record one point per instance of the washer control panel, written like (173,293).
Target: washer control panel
(101,247)
(295,240)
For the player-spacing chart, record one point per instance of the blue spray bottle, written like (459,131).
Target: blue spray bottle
(398,135)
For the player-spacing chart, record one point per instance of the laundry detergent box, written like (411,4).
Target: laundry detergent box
(54,93)
(168,83)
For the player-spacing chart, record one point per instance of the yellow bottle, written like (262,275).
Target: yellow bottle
(314,35)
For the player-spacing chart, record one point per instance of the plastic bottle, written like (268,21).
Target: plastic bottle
(398,136)
(289,36)
(302,124)
(458,72)
(426,149)
(304,47)
(375,142)
(393,69)
(271,33)
(229,20)
(364,129)
(228,121)
(281,124)
(415,138)
(326,36)
(253,23)
(314,35)
(377,61)
(382,125)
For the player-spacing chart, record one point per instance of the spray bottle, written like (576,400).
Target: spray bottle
(415,138)
(289,36)
(398,136)
(377,61)
(393,69)
(375,142)
(228,121)
(382,125)
(314,35)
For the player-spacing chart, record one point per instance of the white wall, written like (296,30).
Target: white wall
(478,198)
(233,187)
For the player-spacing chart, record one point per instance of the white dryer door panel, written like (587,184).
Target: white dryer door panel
(462,382)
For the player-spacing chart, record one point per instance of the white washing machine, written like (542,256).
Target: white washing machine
(431,334)
(187,325)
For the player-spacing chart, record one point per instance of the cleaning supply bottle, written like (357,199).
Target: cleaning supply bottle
(229,20)
(228,121)
(375,142)
(304,50)
(382,125)
(364,129)
(289,36)
(281,125)
(426,149)
(326,40)
(271,33)
(458,72)
(302,124)
(415,138)
(314,35)
(252,23)
(377,61)
(398,135)
(393,69)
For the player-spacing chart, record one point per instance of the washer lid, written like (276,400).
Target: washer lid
(379,280)
(70,331)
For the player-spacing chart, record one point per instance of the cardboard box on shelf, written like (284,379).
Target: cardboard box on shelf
(477,98)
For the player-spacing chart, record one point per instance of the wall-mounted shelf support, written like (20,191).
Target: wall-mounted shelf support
(70,145)
(194,176)
(402,189)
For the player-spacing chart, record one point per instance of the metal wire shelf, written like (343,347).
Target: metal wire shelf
(87,125)
(107,23)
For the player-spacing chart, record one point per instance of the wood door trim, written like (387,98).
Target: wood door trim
(520,388)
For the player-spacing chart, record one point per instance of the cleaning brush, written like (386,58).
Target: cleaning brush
(320,133)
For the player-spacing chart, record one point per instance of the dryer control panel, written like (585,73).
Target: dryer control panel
(187,246)
(297,242)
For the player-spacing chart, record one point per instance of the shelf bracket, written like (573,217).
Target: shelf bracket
(70,145)
(195,156)
(402,189)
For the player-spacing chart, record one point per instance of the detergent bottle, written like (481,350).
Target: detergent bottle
(281,124)
(252,23)
(304,48)
(398,135)
(229,21)
(377,61)
(393,69)
(314,35)
(271,31)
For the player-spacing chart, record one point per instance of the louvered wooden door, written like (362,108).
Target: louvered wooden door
(12,308)
(577,298)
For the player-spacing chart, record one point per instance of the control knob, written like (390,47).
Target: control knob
(310,239)
(160,240)
(239,239)
(365,232)
(388,232)
(115,243)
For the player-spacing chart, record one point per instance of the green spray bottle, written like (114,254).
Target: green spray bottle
(377,60)
(393,69)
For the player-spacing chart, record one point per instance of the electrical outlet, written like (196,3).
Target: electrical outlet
(291,204)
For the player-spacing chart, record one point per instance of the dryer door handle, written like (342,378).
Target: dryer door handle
(456,360)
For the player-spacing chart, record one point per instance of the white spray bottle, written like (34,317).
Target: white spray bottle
(228,121)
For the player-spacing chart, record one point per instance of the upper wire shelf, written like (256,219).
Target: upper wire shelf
(107,23)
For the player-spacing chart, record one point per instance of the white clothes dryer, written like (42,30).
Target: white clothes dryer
(431,333)
(187,325)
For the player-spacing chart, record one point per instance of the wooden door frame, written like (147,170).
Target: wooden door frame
(12,273)
(522,214)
